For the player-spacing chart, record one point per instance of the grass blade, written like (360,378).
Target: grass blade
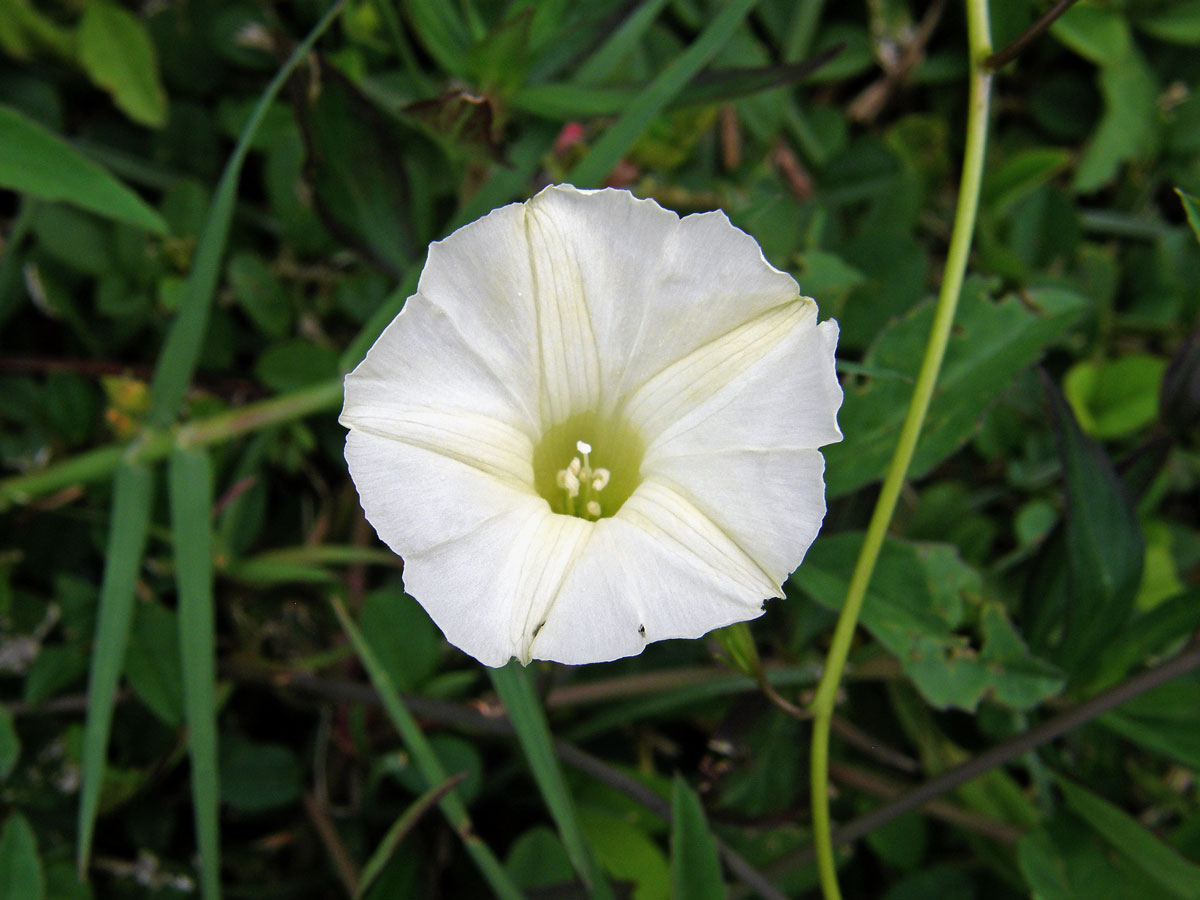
(442,32)
(695,867)
(190,483)
(177,360)
(400,829)
(614,51)
(1158,861)
(427,761)
(133,495)
(533,731)
(592,169)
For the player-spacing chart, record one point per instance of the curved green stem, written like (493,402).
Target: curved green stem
(935,349)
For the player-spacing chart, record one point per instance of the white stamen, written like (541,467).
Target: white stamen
(600,480)
(568,481)
(575,467)
(593,509)
(583,447)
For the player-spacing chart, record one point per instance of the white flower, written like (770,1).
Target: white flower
(594,425)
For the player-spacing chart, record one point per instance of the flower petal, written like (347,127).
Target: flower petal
(646,287)
(770,503)
(659,569)
(456,527)
(423,361)
(781,392)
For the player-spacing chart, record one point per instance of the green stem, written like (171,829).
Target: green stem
(956,263)
(100,463)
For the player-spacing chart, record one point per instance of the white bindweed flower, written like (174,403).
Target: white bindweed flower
(594,425)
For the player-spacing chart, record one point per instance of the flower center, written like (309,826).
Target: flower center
(581,485)
(586,467)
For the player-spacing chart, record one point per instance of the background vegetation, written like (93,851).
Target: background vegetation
(203,646)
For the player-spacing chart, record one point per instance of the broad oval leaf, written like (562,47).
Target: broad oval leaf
(118,55)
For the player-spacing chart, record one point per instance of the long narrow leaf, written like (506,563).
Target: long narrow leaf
(43,165)
(134,493)
(533,731)
(569,101)
(1158,861)
(177,360)
(400,829)
(695,866)
(591,171)
(427,761)
(619,45)
(190,482)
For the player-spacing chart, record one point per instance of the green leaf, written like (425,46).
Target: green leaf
(695,866)
(916,606)
(1177,23)
(1191,206)
(35,162)
(258,777)
(1180,402)
(152,664)
(399,831)
(1062,861)
(185,339)
(190,482)
(133,500)
(992,342)
(533,731)
(616,141)
(404,639)
(570,101)
(1020,175)
(457,756)
(607,58)
(538,859)
(442,31)
(1115,398)
(10,743)
(260,294)
(1129,128)
(353,152)
(118,55)
(1165,720)
(1158,862)
(627,853)
(1105,550)
(25,31)
(945,882)
(1099,34)
(294,364)
(56,668)
(21,876)
(427,761)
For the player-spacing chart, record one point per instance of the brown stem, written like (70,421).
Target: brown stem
(872,746)
(1185,662)
(880,786)
(343,863)
(1013,48)
(447,713)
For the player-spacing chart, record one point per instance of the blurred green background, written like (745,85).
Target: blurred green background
(193,254)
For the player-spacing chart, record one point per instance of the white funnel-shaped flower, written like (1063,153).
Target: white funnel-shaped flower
(595,425)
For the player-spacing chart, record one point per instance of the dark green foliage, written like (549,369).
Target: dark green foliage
(190,263)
